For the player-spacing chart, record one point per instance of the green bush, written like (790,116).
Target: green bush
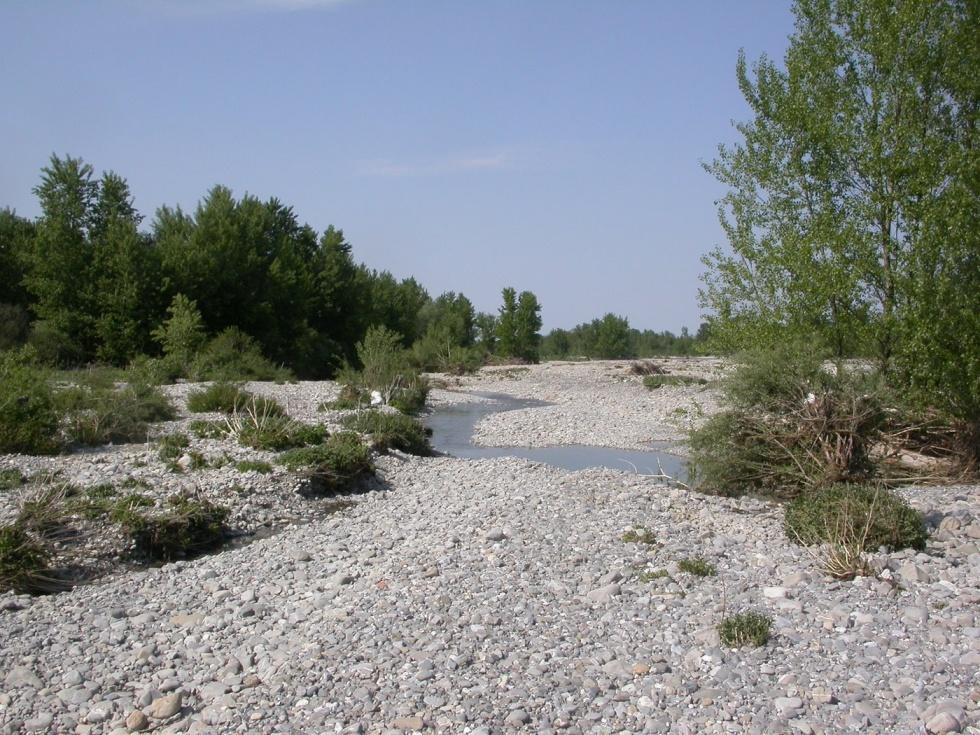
(11,478)
(640,535)
(28,416)
(97,414)
(698,566)
(391,431)
(652,382)
(254,465)
(349,398)
(278,433)
(334,466)
(23,562)
(234,355)
(745,629)
(190,527)
(173,445)
(208,429)
(386,369)
(790,426)
(221,396)
(846,513)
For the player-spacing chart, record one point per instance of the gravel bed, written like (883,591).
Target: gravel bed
(494,596)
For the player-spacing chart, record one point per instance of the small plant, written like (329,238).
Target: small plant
(23,562)
(350,398)
(189,527)
(221,396)
(333,466)
(197,460)
(698,566)
(131,483)
(253,465)
(11,478)
(234,355)
(640,535)
(646,367)
(208,429)
(652,382)
(745,629)
(44,509)
(172,446)
(261,424)
(96,414)
(391,431)
(650,576)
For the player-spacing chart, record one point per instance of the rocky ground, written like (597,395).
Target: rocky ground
(479,596)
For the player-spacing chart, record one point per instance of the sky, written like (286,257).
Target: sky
(549,145)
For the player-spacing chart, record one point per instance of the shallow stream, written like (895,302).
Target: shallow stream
(452,433)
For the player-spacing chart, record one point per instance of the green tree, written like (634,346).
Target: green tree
(518,325)
(182,334)
(854,190)
(612,338)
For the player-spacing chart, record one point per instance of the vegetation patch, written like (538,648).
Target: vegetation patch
(172,446)
(23,562)
(851,520)
(96,414)
(698,566)
(640,535)
(11,478)
(262,424)
(188,528)
(254,465)
(745,629)
(334,466)
(28,416)
(650,576)
(208,429)
(350,398)
(652,382)
(391,431)
(221,396)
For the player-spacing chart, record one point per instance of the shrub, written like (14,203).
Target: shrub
(44,509)
(11,478)
(172,446)
(23,562)
(28,416)
(208,429)
(386,370)
(97,414)
(791,426)
(646,367)
(350,397)
(253,465)
(652,382)
(333,466)
(745,629)
(182,334)
(391,431)
(261,423)
(640,535)
(190,527)
(234,355)
(220,396)
(698,566)
(855,513)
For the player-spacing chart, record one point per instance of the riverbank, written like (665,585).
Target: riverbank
(499,595)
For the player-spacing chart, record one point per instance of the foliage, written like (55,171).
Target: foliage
(386,370)
(334,466)
(518,325)
(208,429)
(172,446)
(791,425)
(611,337)
(391,431)
(11,478)
(254,465)
(640,535)
(851,213)
(182,334)
(698,566)
(745,629)
(97,414)
(233,355)
(221,396)
(23,561)
(261,423)
(350,397)
(874,516)
(189,527)
(28,417)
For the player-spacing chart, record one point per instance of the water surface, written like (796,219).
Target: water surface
(452,433)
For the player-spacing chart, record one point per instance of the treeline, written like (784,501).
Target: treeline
(241,279)
(611,337)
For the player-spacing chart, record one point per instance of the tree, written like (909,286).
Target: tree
(518,325)
(611,338)
(854,188)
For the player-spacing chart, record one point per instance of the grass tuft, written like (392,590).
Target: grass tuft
(391,431)
(698,566)
(745,629)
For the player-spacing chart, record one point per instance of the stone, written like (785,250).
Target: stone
(495,534)
(136,721)
(788,704)
(517,718)
(165,707)
(21,676)
(408,723)
(910,572)
(604,594)
(774,593)
(943,722)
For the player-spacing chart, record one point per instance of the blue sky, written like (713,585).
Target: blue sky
(551,145)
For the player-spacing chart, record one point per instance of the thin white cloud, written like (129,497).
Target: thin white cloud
(435,167)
